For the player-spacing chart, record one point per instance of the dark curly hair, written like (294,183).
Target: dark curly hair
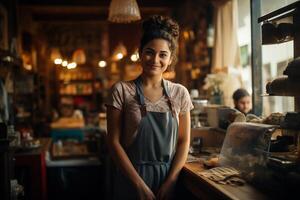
(163,27)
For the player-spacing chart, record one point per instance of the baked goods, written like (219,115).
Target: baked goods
(212,162)
(274,119)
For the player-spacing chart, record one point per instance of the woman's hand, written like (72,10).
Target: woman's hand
(166,190)
(144,192)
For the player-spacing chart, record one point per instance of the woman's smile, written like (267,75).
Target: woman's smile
(150,66)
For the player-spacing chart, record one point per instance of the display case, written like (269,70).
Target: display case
(280,26)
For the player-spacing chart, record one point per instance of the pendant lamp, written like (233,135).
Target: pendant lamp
(55,54)
(119,52)
(123,11)
(79,56)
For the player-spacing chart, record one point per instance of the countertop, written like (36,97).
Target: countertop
(204,188)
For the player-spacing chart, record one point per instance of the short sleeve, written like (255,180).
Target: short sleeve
(116,96)
(186,102)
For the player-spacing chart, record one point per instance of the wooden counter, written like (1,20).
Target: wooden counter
(204,188)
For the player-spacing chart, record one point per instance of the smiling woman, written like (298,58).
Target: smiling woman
(148,120)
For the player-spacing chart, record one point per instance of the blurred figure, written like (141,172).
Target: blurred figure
(67,109)
(242,101)
(68,116)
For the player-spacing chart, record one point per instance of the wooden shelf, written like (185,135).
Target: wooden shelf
(81,82)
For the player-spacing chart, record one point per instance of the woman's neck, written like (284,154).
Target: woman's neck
(152,81)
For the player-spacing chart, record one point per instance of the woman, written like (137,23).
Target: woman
(242,101)
(148,120)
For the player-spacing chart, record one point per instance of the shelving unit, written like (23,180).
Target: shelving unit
(9,63)
(290,15)
(79,83)
(75,82)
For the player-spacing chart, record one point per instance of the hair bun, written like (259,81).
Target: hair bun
(164,23)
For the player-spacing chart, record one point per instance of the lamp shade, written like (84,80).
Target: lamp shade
(79,56)
(55,54)
(123,11)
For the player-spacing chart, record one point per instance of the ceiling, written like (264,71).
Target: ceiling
(69,24)
(53,10)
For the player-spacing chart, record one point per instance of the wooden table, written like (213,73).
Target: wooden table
(204,188)
(34,161)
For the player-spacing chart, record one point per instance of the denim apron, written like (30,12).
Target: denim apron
(153,149)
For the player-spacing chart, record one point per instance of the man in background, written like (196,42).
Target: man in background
(242,101)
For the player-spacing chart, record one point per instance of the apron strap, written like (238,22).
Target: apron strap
(141,98)
(167,93)
(139,91)
(140,95)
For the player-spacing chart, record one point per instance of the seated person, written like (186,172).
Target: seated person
(242,101)
(67,109)
(69,117)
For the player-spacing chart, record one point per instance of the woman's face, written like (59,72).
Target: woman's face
(156,57)
(244,104)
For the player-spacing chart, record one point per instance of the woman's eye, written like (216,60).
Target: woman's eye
(148,52)
(163,55)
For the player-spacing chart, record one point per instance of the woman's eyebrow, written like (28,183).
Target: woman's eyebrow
(162,51)
(148,48)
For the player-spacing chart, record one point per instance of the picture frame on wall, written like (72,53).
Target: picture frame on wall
(3,28)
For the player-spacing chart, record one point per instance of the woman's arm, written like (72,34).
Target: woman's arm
(180,156)
(182,147)
(119,155)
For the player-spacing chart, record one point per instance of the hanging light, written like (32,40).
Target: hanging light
(27,60)
(123,11)
(64,63)
(79,56)
(55,54)
(58,61)
(72,65)
(119,52)
(135,55)
(102,63)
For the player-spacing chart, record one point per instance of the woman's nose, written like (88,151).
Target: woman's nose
(155,58)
